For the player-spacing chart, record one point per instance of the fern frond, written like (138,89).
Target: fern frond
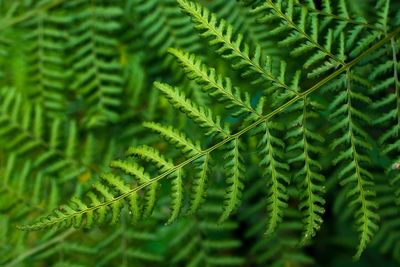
(271,151)
(353,173)
(200,115)
(235,175)
(325,40)
(232,48)
(46,69)
(97,75)
(175,137)
(283,246)
(23,190)
(341,15)
(383,7)
(77,213)
(200,182)
(214,84)
(306,147)
(124,245)
(108,197)
(243,21)
(164,26)
(152,155)
(142,177)
(24,131)
(389,105)
(114,190)
(59,218)
(201,246)
(14,188)
(302,31)
(387,238)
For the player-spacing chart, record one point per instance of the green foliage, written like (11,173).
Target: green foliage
(96,71)
(255,132)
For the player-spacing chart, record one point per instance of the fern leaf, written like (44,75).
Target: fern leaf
(389,106)
(310,180)
(150,154)
(142,177)
(109,250)
(352,172)
(339,14)
(214,84)
(176,196)
(283,245)
(176,138)
(300,29)
(15,190)
(100,206)
(202,246)
(235,173)
(240,17)
(164,26)
(324,55)
(199,114)
(97,75)
(187,146)
(235,49)
(383,15)
(199,183)
(47,78)
(271,151)
(24,130)
(386,238)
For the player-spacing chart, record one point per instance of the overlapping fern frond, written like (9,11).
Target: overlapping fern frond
(302,25)
(244,22)
(97,77)
(164,26)
(202,247)
(48,78)
(24,130)
(387,238)
(389,105)
(23,193)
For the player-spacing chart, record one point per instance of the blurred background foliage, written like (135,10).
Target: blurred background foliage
(76,83)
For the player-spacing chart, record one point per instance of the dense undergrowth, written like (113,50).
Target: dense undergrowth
(199,133)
